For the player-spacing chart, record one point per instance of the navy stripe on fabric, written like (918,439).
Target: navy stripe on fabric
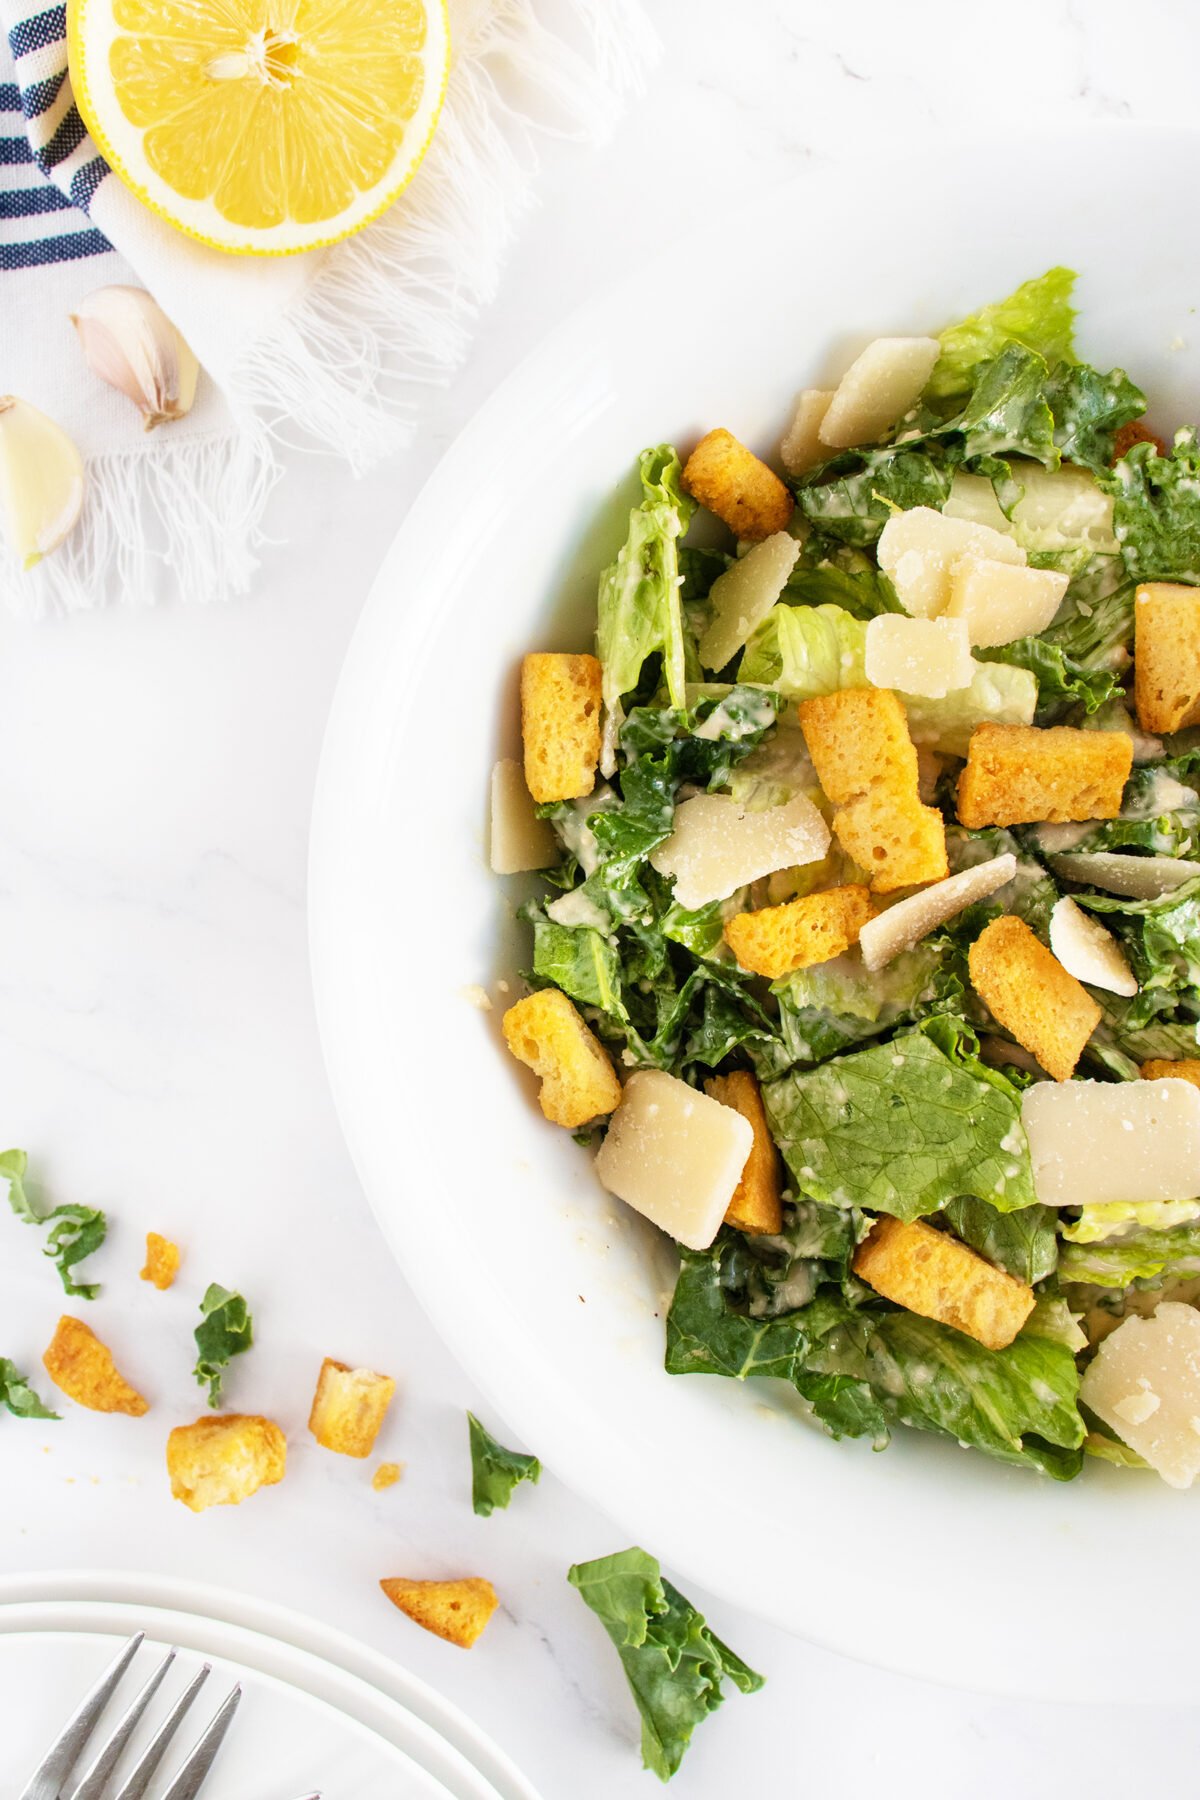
(40,96)
(14,150)
(35,33)
(10,97)
(66,139)
(30,203)
(50,250)
(85,181)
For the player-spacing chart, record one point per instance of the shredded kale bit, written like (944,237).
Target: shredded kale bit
(226,1329)
(17,1395)
(495,1471)
(674,1664)
(75,1232)
(894,1093)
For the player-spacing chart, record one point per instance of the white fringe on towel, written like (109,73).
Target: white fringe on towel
(386,314)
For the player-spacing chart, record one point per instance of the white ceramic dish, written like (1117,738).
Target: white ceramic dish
(928,1559)
(320,1709)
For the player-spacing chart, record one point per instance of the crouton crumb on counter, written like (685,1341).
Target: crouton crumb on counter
(78,1363)
(1030,993)
(547,1033)
(349,1408)
(162,1261)
(737,486)
(860,893)
(222,1461)
(386,1476)
(454,1610)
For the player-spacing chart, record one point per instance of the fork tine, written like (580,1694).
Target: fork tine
(192,1775)
(139,1779)
(91,1787)
(65,1752)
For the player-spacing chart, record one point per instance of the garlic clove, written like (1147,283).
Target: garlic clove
(41,480)
(129,342)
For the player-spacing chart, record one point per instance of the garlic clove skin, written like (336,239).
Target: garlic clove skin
(41,480)
(129,342)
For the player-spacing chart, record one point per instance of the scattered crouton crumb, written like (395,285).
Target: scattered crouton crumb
(162,1261)
(1048,1012)
(757,1204)
(547,1033)
(477,996)
(735,485)
(454,1610)
(933,1274)
(222,1461)
(348,1408)
(386,1476)
(78,1363)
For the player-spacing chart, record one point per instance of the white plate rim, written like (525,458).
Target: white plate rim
(401,1708)
(1001,1674)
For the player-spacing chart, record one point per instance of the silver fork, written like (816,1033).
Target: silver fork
(59,1763)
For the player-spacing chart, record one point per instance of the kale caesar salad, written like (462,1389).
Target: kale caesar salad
(868,956)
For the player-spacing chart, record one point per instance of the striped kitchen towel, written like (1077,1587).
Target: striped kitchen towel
(333,347)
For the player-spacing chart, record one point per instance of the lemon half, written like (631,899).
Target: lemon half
(261,126)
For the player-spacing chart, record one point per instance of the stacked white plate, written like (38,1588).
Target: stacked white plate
(319,1712)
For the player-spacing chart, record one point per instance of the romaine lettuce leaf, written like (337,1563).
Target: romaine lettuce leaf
(226,1329)
(1121,1218)
(1038,315)
(18,1397)
(1162,940)
(1156,510)
(1022,1243)
(1142,1256)
(640,611)
(829,1006)
(1062,683)
(1126,1038)
(1089,409)
(674,1664)
(1008,412)
(495,1471)
(903,1127)
(75,1231)
(998,694)
(1095,621)
(1159,814)
(580,960)
(852,497)
(803,651)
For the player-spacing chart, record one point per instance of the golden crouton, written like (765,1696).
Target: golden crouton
(1186,1069)
(560,725)
(865,761)
(1166,656)
(78,1363)
(386,1476)
(1026,987)
(348,1408)
(777,939)
(757,1205)
(936,1276)
(547,1033)
(731,481)
(162,1261)
(1135,432)
(454,1610)
(222,1461)
(1025,775)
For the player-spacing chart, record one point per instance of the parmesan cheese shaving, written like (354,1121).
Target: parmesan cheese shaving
(1095,1142)
(906,923)
(718,846)
(675,1155)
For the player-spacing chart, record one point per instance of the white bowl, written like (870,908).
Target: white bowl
(926,1558)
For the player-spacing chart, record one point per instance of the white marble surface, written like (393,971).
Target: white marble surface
(157,1047)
